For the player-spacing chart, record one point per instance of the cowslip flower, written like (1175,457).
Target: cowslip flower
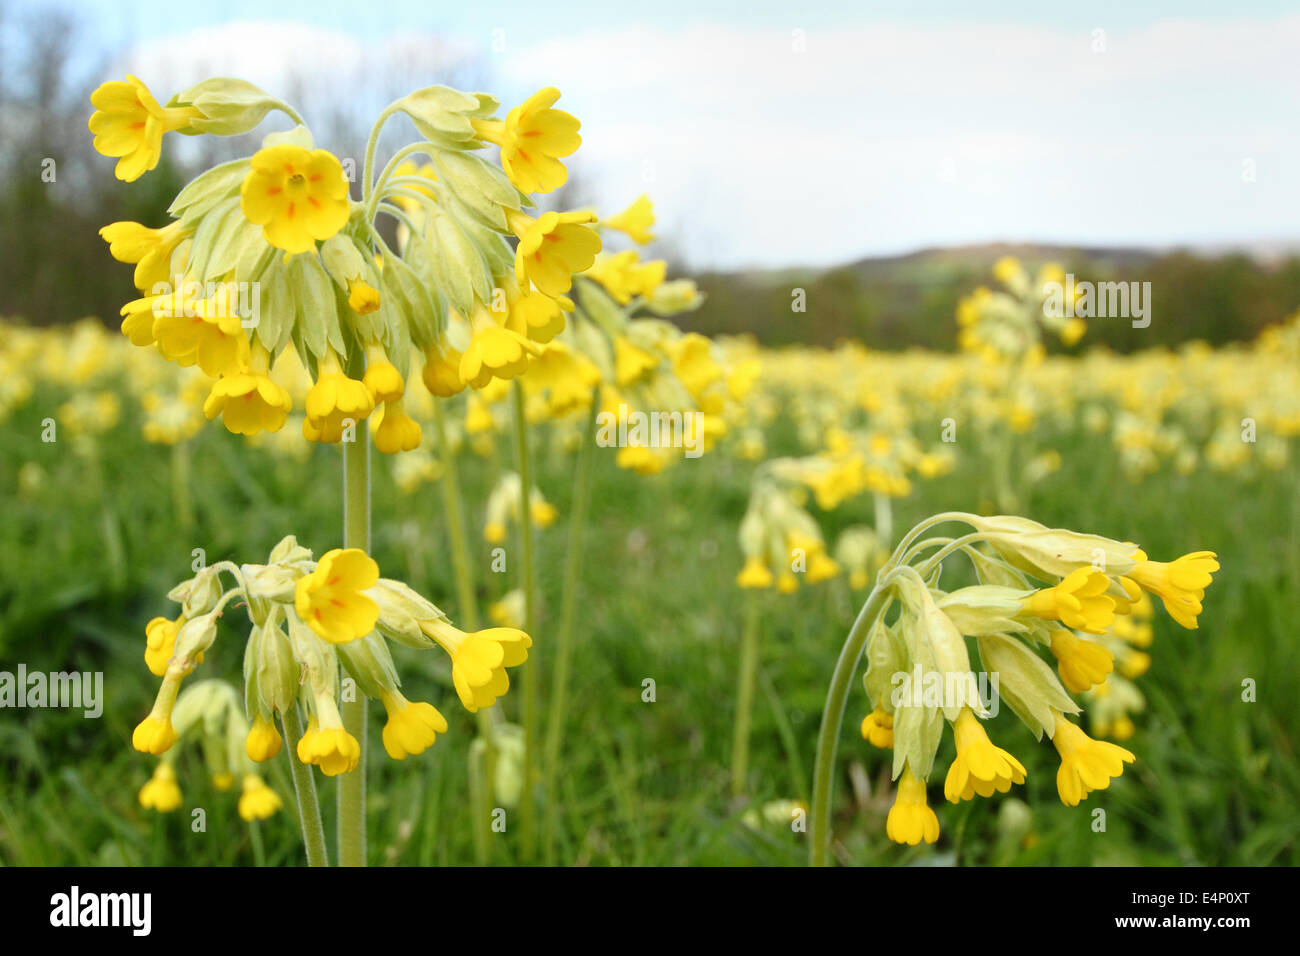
(327,745)
(150,250)
(533,138)
(330,598)
(878,729)
(160,638)
(128,123)
(1180,584)
(412,727)
(636,221)
(980,766)
(1080,663)
(334,400)
(205,332)
(553,248)
(397,430)
(161,792)
(910,819)
(1086,764)
(479,659)
(1079,601)
(298,196)
(248,403)
(494,351)
(263,741)
(257,801)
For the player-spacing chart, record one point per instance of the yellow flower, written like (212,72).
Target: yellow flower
(206,333)
(161,792)
(1179,584)
(382,378)
(154,735)
(329,747)
(223,781)
(330,598)
(495,351)
(1079,601)
(1086,764)
(298,196)
(878,729)
(1081,663)
(980,767)
(553,248)
(910,819)
(397,431)
(411,728)
(631,362)
(441,372)
(538,317)
(150,249)
(821,567)
(263,741)
(635,220)
(257,801)
(787,583)
(532,139)
(479,660)
(333,400)
(624,276)
(160,637)
(129,123)
(363,298)
(248,403)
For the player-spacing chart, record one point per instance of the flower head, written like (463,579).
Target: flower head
(1081,663)
(553,248)
(161,792)
(330,598)
(910,819)
(533,139)
(129,123)
(878,729)
(1180,584)
(263,741)
(257,801)
(248,403)
(479,660)
(980,767)
(329,747)
(1086,764)
(411,728)
(149,249)
(1079,601)
(636,220)
(298,196)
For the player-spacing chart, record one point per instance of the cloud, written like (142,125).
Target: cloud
(761,146)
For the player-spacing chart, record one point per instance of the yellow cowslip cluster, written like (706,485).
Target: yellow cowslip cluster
(313,621)
(919,672)
(211,714)
(780,541)
(1007,325)
(273,249)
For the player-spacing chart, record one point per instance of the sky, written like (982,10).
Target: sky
(817,133)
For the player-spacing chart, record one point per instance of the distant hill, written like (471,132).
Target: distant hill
(893,302)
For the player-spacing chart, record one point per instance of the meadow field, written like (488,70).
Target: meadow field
(112,478)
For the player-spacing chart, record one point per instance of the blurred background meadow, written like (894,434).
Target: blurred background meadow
(865,206)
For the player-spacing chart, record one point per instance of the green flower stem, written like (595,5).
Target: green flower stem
(529,674)
(451,502)
(304,785)
(745,699)
(564,637)
(468,607)
(833,718)
(356,534)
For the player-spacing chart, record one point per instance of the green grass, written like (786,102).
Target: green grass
(1216,782)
